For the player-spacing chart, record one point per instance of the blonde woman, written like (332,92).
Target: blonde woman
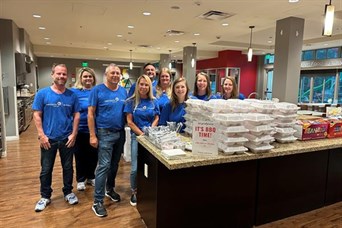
(85,154)
(142,111)
(163,87)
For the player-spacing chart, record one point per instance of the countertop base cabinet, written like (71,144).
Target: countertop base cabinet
(290,185)
(208,196)
(334,178)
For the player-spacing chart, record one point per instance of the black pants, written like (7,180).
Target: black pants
(85,157)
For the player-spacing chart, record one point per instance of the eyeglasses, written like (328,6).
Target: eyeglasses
(87,76)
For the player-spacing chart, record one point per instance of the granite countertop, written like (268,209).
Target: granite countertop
(191,160)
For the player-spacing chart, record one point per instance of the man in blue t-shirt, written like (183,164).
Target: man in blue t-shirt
(150,71)
(105,114)
(56,115)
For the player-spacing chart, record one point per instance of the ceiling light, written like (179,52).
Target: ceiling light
(250,49)
(41,28)
(36,16)
(270,41)
(46,38)
(119,35)
(176,41)
(196,34)
(328,19)
(130,26)
(146,13)
(225,24)
(293,1)
(109,43)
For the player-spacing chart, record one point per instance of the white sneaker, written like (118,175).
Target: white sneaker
(91,182)
(41,204)
(71,198)
(81,186)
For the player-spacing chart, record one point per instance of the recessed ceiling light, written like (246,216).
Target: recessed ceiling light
(46,38)
(36,16)
(176,41)
(225,24)
(41,28)
(175,7)
(109,43)
(270,41)
(158,48)
(196,34)
(130,26)
(146,13)
(325,44)
(119,35)
(293,1)
(105,47)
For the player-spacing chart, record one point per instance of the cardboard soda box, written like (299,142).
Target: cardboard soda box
(311,128)
(335,128)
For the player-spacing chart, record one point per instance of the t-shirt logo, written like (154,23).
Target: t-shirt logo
(144,107)
(117,99)
(59,103)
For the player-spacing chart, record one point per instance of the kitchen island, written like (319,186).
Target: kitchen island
(238,190)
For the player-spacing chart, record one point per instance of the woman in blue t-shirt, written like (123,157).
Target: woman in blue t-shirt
(174,110)
(202,90)
(85,154)
(163,87)
(229,89)
(142,111)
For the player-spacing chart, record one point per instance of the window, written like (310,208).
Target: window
(269,59)
(332,53)
(321,54)
(304,89)
(340,89)
(308,55)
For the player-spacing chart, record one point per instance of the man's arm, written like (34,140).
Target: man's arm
(91,125)
(43,139)
(72,137)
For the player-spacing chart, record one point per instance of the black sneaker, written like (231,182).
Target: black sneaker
(99,209)
(113,196)
(133,200)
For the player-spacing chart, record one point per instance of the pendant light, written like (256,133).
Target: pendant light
(170,63)
(193,59)
(250,49)
(328,19)
(130,63)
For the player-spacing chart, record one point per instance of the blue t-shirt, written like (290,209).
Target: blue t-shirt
(109,106)
(202,97)
(162,100)
(241,96)
(144,113)
(57,112)
(83,99)
(177,115)
(132,89)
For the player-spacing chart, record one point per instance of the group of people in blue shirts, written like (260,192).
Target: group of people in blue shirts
(89,119)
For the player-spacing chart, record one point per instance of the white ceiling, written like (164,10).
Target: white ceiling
(88,29)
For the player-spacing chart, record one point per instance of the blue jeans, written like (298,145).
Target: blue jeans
(47,162)
(111,144)
(134,161)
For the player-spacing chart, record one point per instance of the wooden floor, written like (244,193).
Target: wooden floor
(19,192)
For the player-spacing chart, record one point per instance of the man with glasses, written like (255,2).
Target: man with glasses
(56,115)
(105,111)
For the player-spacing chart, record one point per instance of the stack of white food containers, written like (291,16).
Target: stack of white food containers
(230,133)
(284,120)
(260,132)
(193,109)
(259,126)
